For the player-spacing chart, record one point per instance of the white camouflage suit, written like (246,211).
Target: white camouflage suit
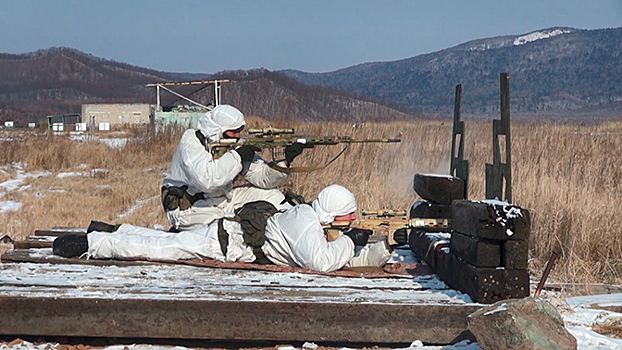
(293,238)
(194,166)
(296,237)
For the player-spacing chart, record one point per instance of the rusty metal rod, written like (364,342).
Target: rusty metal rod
(545,275)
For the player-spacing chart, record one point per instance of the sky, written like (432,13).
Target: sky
(312,36)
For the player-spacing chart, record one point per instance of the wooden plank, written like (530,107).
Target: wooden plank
(32,244)
(61,231)
(233,320)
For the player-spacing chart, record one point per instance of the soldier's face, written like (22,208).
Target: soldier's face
(233,134)
(348,217)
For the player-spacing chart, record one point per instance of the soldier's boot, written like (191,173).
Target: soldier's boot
(70,245)
(101,227)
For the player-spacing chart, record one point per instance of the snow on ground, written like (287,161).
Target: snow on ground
(8,206)
(537,36)
(112,143)
(138,205)
(581,314)
(464,345)
(71,174)
(16,185)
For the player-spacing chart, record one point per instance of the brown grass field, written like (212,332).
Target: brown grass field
(568,176)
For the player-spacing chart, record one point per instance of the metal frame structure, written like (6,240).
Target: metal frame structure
(202,83)
(63,116)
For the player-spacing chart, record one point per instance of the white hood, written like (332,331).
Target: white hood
(333,201)
(222,118)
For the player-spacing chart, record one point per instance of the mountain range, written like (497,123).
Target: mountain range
(60,80)
(554,72)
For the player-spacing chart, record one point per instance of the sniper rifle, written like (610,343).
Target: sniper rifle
(385,222)
(277,139)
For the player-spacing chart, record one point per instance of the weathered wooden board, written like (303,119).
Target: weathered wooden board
(430,210)
(484,285)
(439,189)
(426,245)
(61,231)
(185,302)
(477,252)
(515,254)
(240,320)
(484,220)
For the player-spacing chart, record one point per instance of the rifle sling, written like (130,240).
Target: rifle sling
(306,169)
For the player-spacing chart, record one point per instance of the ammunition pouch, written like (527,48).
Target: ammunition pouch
(253,217)
(178,197)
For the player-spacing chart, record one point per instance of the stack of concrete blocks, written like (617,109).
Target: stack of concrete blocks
(487,255)
(438,191)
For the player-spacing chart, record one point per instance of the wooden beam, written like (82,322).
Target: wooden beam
(233,320)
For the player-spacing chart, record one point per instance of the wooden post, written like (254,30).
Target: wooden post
(500,171)
(459,167)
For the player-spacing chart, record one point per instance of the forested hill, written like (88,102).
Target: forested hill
(60,80)
(557,70)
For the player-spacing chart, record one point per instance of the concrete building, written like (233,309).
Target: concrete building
(117,113)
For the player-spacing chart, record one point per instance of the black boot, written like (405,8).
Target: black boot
(101,227)
(70,245)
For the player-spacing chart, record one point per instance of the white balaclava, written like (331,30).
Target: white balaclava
(333,201)
(220,119)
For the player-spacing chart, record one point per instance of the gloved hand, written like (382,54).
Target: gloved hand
(247,152)
(293,151)
(359,236)
(400,236)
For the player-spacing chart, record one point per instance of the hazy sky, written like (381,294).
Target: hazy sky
(313,36)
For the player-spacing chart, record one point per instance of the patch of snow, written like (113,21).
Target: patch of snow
(402,256)
(114,143)
(70,174)
(138,205)
(9,206)
(538,36)
(310,346)
(440,175)
(55,189)
(499,308)
(14,184)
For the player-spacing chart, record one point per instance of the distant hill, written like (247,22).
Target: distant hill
(59,80)
(559,71)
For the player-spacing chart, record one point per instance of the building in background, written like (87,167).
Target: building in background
(117,113)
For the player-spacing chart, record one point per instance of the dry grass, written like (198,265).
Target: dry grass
(568,176)
(611,328)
